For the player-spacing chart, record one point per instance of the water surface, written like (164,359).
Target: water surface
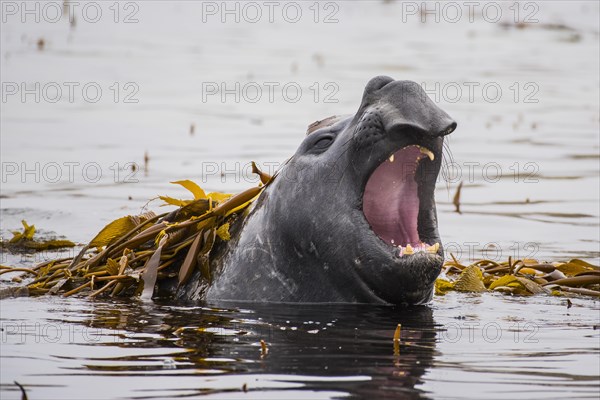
(462,346)
(529,162)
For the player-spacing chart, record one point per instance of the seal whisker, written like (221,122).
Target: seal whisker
(445,170)
(446,148)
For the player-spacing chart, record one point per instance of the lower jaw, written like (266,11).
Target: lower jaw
(406,280)
(417,297)
(422,297)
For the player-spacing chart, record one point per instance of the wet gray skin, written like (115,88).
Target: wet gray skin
(307,239)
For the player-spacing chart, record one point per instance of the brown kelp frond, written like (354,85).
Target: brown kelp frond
(25,241)
(456,198)
(131,254)
(522,277)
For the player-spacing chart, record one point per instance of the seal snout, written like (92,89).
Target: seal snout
(404,104)
(400,131)
(377,83)
(451,127)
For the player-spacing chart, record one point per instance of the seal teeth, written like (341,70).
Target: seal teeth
(422,247)
(433,249)
(427,152)
(392,158)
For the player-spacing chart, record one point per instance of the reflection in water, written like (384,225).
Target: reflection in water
(499,346)
(347,348)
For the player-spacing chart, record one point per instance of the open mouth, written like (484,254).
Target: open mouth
(391,201)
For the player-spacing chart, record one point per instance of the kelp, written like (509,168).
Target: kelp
(131,254)
(25,241)
(521,277)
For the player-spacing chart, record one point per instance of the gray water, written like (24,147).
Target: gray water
(528,157)
(462,346)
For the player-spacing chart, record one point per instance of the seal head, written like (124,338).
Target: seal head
(351,217)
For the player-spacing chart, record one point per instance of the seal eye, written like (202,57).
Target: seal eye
(323,142)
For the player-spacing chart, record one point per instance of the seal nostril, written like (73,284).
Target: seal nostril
(448,130)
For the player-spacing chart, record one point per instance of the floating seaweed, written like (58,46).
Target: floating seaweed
(131,254)
(25,241)
(521,277)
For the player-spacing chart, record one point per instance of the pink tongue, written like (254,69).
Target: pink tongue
(391,201)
